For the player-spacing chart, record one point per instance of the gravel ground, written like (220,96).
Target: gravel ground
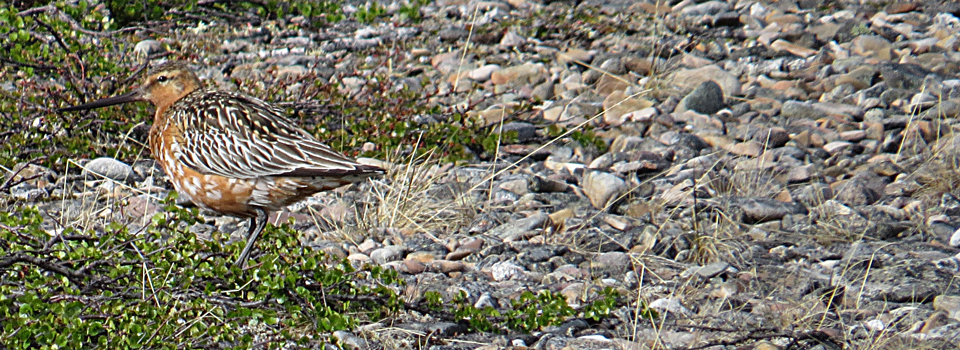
(773,175)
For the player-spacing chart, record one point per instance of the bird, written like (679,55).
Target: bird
(232,153)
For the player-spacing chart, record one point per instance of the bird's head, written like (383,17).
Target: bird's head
(163,86)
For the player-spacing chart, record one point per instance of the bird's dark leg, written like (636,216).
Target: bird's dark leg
(256,227)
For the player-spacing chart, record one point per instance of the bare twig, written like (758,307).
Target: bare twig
(20,257)
(62,238)
(15,63)
(56,37)
(10,182)
(143,66)
(51,9)
(762,334)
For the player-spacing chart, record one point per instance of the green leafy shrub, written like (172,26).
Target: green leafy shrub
(533,311)
(529,312)
(387,117)
(585,136)
(411,11)
(167,288)
(31,129)
(129,12)
(368,13)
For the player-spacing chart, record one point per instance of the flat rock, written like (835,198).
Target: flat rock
(691,78)
(617,105)
(712,7)
(483,73)
(872,46)
(798,109)
(796,50)
(524,73)
(757,210)
(518,227)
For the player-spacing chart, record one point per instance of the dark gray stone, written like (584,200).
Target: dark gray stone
(707,98)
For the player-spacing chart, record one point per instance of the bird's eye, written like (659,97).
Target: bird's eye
(162,78)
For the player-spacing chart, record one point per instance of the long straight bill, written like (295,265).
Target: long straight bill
(131,96)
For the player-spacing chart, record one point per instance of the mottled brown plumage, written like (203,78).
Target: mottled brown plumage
(232,153)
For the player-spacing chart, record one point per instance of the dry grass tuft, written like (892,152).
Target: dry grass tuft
(940,173)
(411,197)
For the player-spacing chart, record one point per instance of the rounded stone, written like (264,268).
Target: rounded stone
(602,188)
(707,98)
(111,169)
(386,254)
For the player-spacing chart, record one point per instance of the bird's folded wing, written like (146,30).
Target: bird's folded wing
(236,136)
